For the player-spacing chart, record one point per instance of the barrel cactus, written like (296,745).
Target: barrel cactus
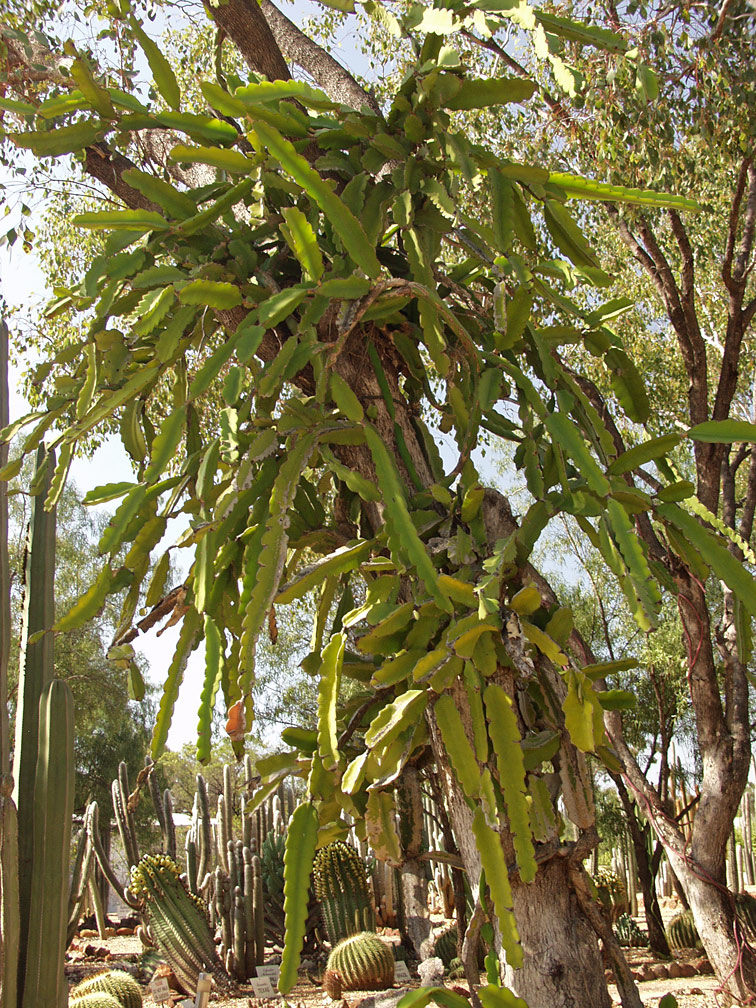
(116,983)
(629,935)
(96,999)
(177,921)
(363,962)
(682,931)
(341,888)
(445,945)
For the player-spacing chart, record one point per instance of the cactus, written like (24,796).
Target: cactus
(341,888)
(628,934)
(445,946)
(612,892)
(97,999)
(363,962)
(117,983)
(682,931)
(177,921)
(745,911)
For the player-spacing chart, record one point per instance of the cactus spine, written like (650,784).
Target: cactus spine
(363,962)
(341,888)
(96,999)
(682,931)
(117,983)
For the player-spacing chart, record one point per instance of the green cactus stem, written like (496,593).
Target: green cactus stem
(35,673)
(629,935)
(363,962)
(341,888)
(9,915)
(44,980)
(682,931)
(116,983)
(177,920)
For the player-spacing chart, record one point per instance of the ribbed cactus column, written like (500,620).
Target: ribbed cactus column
(341,889)
(9,921)
(35,673)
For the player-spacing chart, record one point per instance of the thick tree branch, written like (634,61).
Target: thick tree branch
(243,22)
(108,167)
(335,80)
(732,225)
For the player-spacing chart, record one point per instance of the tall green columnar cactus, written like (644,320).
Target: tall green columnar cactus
(35,672)
(341,888)
(9,921)
(177,920)
(44,981)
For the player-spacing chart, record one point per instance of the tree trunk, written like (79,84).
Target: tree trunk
(416,922)
(562,964)
(657,937)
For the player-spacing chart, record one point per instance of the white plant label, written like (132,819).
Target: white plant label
(263,988)
(271,970)
(160,989)
(401,973)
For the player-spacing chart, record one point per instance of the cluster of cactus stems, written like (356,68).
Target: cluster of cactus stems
(177,920)
(341,888)
(682,931)
(629,935)
(363,962)
(115,984)
(36,797)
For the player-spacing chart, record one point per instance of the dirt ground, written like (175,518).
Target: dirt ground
(91,955)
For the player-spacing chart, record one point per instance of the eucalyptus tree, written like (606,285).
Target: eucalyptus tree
(302,254)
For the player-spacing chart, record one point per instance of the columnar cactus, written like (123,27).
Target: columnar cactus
(116,983)
(341,888)
(177,921)
(363,962)
(682,931)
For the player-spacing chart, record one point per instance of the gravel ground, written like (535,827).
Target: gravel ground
(693,992)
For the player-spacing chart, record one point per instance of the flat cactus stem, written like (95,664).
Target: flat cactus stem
(36,671)
(116,983)
(363,962)
(9,915)
(44,980)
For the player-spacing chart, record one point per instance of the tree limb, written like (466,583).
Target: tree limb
(335,80)
(244,23)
